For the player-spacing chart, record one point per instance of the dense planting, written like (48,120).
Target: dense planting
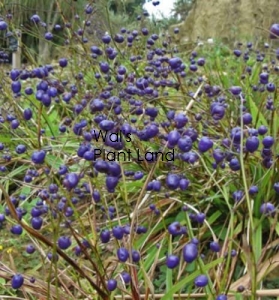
(135,167)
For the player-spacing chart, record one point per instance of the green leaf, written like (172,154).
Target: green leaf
(169,271)
(256,113)
(257,239)
(177,287)
(53,161)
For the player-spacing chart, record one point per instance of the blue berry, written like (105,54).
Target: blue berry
(267,209)
(63,62)
(172,181)
(64,242)
(268,141)
(201,281)
(253,190)
(135,256)
(252,144)
(16,229)
(172,261)
(122,254)
(111,285)
(214,246)
(71,180)
(118,232)
(221,297)
(126,277)
(205,144)
(38,157)
(17,281)
(30,249)
(276,187)
(190,252)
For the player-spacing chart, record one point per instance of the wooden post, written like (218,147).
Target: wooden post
(16,59)
(14,42)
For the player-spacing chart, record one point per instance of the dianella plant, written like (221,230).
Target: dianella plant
(131,168)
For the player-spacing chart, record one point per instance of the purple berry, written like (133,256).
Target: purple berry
(237,195)
(237,52)
(200,217)
(201,61)
(253,190)
(88,9)
(122,254)
(176,229)
(63,62)
(274,31)
(105,236)
(16,229)
(111,183)
(32,280)
(2,218)
(236,90)
(205,144)
(135,256)
(118,232)
(201,281)
(3,25)
(183,184)
(267,209)
(119,38)
(180,120)
(190,252)
(247,118)
(16,86)
(37,223)
(221,297)
(268,141)
(126,277)
(104,67)
(172,181)
(252,144)
(264,78)
(185,143)
(111,285)
(214,246)
(217,111)
(38,157)
(14,124)
(262,130)
(48,36)
(30,249)
(27,114)
(35,18)
(36,212)
(89,155)
(218,155)
(138,175)
(71,180)
(276,187)
(175,62)
(193,68)
(106,39)
(270,87)
(64,242)
(234,164)
(20,149)
(52,257)
(14,74)
(17,281)
(96,196)
(172,261)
